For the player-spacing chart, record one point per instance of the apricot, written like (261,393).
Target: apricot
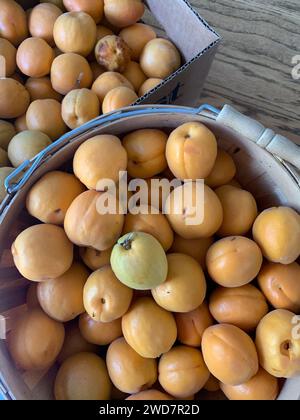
(277,232)
(148,85)
(136,37)
(185,287)
(94,8)
(70,71)
(278,344)
(98,158)
(85,226)
(41,21)
(74,343)
(13,22)
(61,297)
(146,152)
(26,145)
(80,106)
(195,248)
(42,252)
(150,395)
(212,385)
(149,329)
(242,306)
(262,387)
(128,371)
(8,51)
(31,296)
(49,199)
(20,124)
(123,13)
(100,333)
(36,340)
(41,88)
(82,377)
(135,75)
(95,259)
(191,151)
(58,3)
(4,172)
(229,354)
(182,372)
(117,98)
(194,215)
(160,58)
(105,298)
(75,32)
(239,209)
(234,261)
(109,81)
(281,286)
(14,98)
(97,70)
(4,161)
(223,171)
(112,53)
(156,225)
(132,260)
(103,31)
(35,57)
(191,325)
(7,132)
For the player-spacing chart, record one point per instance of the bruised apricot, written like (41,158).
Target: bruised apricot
(242,306)
(191,151)
(85,226)
(94,8)
(136,37)
(9,52)
(41,21)
(234,261)
(148,85)
(97,332)
(191,325)
(107,82)
(42,252)
(223,171)
(195,248)
(129,372)
(112,53)
(82,376)
(36,340)
(98,158)
(41,88)
(229,354)
(122,13)
(70,71)
(13,22)
(14,98)
(149,329)
(80,106)
(117,98)
(185,287)
(182,371)
(281,286)
(105,298)
(277,232)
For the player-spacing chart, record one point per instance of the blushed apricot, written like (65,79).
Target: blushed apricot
(79,106)
(14,98)
(9,52)
(75,32)
(122,13)
(117,98)
(281,286)
(45,115)
(229,354)
(239,210)
(242,306)
(191,151)
(13,22)
(234,261)
(107,82)
(41,88)
(35,57)
(136,37)
(135,75)
(196,248)
(94,8)
(95,259)
(223,171)
(191,325)
(277,232)
(182,371)
(41,21)
(97,332)
(160,58)
(148,85)
(70,71)
(112,53)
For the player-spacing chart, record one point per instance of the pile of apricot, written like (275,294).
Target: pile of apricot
(147,306)
(66,63)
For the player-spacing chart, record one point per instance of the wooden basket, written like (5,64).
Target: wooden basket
(269,178)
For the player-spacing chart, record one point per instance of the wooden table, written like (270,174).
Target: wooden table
(253,68)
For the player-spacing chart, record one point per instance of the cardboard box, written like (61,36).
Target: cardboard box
(195,39)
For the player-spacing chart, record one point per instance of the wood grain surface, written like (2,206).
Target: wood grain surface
(253,68)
